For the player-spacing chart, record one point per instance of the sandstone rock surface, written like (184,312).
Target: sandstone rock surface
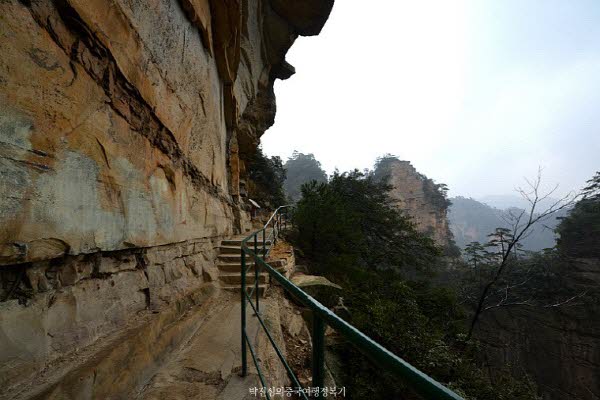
(416,196)
(116,118)
(124,130)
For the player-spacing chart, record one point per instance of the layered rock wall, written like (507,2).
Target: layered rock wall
(418,197)
(124,129)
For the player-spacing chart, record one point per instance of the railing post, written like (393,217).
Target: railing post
(318,352)
(256,243)
(256,274)
(321,318)
(263,253)
(243,306)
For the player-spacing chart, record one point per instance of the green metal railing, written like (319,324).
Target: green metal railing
(322,316)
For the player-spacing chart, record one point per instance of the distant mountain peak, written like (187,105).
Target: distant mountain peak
(472,220)
(506,201)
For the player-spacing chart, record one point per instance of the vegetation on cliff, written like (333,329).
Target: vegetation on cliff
(435,193)
(580,230)
(352,233)
(501,273)
(419,197)
(350,229)
(266,176)
(351,221)
(301,168)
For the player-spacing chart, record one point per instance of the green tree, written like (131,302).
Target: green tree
(300,169)
(352,221)
(475,254)
(580,231)
(266,176)
(517,277)
(422,324)
(507,243)
(351,232)
(383,165)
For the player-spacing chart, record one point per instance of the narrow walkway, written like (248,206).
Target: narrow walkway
(207,366)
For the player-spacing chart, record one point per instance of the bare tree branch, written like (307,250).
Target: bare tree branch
(569,300)
(520,229)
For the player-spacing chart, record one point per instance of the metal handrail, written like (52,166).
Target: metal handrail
(417,380)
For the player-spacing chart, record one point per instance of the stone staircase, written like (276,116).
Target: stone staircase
(229,264)
(230,267)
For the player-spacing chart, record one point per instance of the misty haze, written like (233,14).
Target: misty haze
(240,199)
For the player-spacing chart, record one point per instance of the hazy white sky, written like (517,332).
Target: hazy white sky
(476,94)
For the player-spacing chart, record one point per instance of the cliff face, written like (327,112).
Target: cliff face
(417,196)
(556,345)
(124,130)
(119,119)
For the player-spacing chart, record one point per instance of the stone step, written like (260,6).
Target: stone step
(238,242)
(237,288)
(237,249)
(235,278)
(237,258)
(236,267)
(233,267)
